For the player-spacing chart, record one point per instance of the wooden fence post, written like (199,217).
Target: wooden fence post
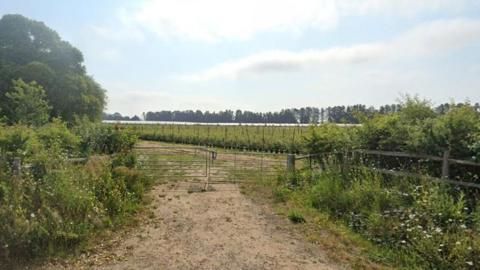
(445,165)
(290,162)
(17,167)
(345,161)
(291,169)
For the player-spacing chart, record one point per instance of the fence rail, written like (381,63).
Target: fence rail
(445,159)
(421,156)
(18,166)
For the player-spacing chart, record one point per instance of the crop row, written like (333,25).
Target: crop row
(253,138)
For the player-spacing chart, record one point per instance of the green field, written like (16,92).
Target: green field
(254,138)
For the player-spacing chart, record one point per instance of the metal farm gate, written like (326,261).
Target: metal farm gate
(203,165)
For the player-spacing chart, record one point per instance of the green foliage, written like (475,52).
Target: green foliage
(106,139)
(385,132)
(456,131)
(281,194)
(476,218)
(135,182)
(428,225)
(475,145)
(327,195)
(415,128)
(33,52)
(25,104)
(19,141)
(401,131)
(423,223)
(127,159)
(415,109)
(329,138)
(55,205)
(55,136)
(296,217)
(253,138)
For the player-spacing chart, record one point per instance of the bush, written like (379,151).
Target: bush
(127,159)
(423,221)
(104,139)
(327,195)
(281,193)
(18,141)
(25,104)
(329,138)
(135,182)
(55,205)
(456,131)
(55,136)
(46,215)
(385,132)
(475,146)
(296,217)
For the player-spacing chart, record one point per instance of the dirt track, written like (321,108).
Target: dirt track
(214,230)
(208,230)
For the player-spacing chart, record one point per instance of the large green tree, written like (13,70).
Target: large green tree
(33,52)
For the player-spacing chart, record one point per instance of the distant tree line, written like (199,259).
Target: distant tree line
(303,115)
(118,117)
(335,114)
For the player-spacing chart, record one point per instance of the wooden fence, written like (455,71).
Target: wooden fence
(17,166)
(445,169)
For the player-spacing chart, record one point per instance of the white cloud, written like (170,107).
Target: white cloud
(426,39)
(215,20)
(437,36)
(212,20)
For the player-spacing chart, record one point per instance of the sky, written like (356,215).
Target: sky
(264,55)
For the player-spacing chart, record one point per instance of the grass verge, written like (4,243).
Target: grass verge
(341,245)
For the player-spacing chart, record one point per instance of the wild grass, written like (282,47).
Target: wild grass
(296,217)
(409,223)
(55,206)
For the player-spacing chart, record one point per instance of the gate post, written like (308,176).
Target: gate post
(208,156)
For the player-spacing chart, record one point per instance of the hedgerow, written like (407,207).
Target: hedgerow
(55,205)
